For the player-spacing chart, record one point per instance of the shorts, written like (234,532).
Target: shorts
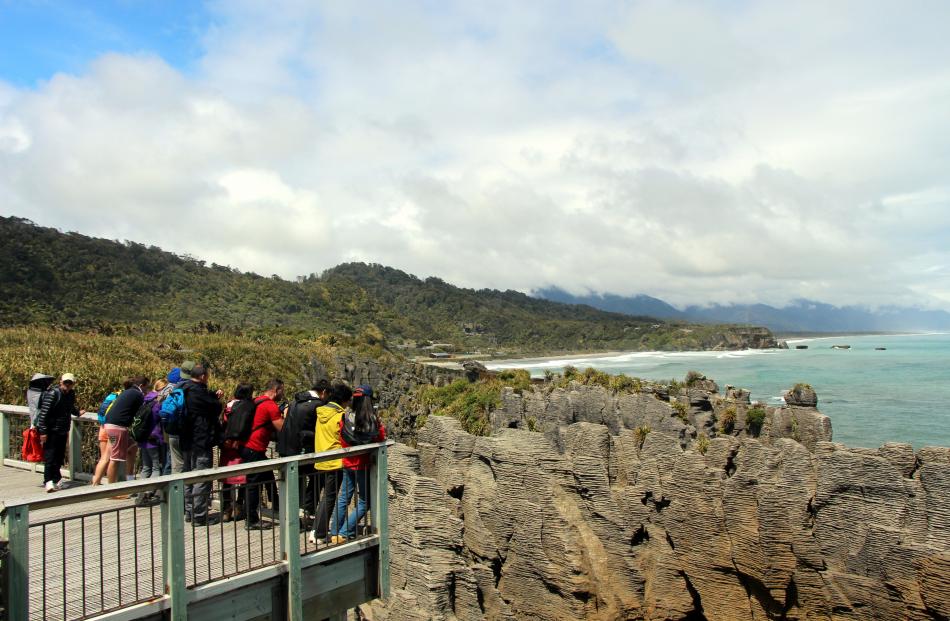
(103,436)
(118,442)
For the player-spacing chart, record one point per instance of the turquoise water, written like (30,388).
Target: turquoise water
(898,395)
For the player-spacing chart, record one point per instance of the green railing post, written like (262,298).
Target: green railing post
(75,449)
(290,536)
(380,512)
(173,549)
(15,528)
(4,437)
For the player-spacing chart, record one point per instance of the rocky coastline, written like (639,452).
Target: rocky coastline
(589,503)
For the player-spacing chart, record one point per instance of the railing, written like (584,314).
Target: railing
(81,454)
(104,562)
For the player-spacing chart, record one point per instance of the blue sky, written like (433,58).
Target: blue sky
(749,151)
(41,38)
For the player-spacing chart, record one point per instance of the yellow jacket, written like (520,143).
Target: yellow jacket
(326,435)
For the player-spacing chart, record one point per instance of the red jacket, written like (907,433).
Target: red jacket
(365,460)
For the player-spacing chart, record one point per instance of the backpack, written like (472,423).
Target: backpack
(142,423)
(106,406)
(352,436)
(241,421)
(173,412)
(39,384)
(290,438)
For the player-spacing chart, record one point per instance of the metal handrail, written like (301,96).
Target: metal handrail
(83,494)
(177,592)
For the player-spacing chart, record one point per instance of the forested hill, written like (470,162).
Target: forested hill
(72,280)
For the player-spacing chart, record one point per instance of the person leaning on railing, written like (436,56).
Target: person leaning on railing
(267,420)
(57,406)
(327,438)
(201,433)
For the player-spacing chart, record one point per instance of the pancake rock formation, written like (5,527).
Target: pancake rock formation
(593,519)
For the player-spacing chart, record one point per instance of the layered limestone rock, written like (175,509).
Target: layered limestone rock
(594,520)
(547,409)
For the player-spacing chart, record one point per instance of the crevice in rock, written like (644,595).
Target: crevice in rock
(669,541)
(451,591)
(731,463)
(457,491)
(640,537)
(496,570)
(658,505)
(513,424)
(487,462)
(791,596)
(812,514)
(696,614)
(916,467)
(755,589)
(480,598)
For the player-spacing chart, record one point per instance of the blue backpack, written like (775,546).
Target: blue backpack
(173,411)
(104,408)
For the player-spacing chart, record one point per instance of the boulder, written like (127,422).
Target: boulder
(802,395)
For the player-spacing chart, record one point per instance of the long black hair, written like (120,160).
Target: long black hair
(365,420)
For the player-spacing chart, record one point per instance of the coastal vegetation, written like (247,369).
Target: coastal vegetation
(754,419)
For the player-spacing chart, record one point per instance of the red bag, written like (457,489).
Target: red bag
(32,448)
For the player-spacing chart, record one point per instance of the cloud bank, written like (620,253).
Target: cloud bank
(699,153)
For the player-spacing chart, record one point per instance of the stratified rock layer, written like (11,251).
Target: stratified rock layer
(584,521)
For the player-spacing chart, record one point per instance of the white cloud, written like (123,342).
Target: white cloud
(751,152)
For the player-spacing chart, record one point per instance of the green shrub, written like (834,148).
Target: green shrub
(754,419)
(694,376)
(640,435)
(680,410)
(802,386)
(625,383)
(701,444)
(532,423)
(727,420)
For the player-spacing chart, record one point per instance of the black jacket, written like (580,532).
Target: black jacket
(123,409)
(296,436)
(202,429)
(55,411)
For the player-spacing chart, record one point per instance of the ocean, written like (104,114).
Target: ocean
(900,394)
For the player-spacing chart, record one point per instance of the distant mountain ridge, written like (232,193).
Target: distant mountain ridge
(799,316)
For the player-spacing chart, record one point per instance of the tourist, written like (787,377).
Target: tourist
(198,437)
(327,438)
(179,453)
(296,437)
(266,421)
(152,448)
(118,420)
(360,425)
(103,439)
(232,488)
(56,409)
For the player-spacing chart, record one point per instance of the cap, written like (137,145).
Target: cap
(174,376)
(186,367)
(363,391)
(68,377)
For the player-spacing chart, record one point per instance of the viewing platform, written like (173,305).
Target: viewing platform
(92,553)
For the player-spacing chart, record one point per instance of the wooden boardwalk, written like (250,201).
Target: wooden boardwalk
(104,554)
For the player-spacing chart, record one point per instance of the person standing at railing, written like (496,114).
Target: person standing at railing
(266,421)
(200,434)
(178,452)
(118,420)
(359,425)
(152,448)
(57,407)
(327,438)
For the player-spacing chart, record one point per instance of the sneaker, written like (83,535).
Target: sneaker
(335,539)
(258,526)
(271,514)
(227,516)
(211,520)
(50,487)
(318,541)
(60,485)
